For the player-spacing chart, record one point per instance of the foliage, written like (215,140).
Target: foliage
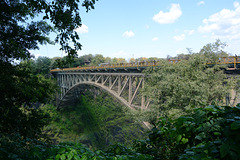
(21,91)
(41,66)
(97,120)
(209,133)
(20,32)
(94,60)
(22,132)
(67,151)
(85,60)
(24,24)
(97,60)
(77,151)
(141,59)
(174,89)
(118,60)
(213,51)
(20,122)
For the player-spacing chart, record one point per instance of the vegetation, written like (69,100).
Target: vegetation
(93,60)
(76,151)
(41,66)
(176,89)
(20,31)
(211,132)
(97,120)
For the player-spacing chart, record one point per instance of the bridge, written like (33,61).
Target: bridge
(124,81)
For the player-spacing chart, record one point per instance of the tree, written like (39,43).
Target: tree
(54,62)
(141,59)
(132,60)
(182,56)
(153,59)
(107,59)
(41,65)
(174,89)
(20,32)
(97,59)
(87,59)
(118,60)
(24,24)
(213,51)
(82,60)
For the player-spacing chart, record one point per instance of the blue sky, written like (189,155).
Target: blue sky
(155,28)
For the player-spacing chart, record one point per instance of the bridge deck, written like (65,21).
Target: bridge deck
(233,62)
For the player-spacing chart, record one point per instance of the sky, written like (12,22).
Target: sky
(154,28)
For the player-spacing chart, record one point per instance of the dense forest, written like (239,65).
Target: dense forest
(193,114)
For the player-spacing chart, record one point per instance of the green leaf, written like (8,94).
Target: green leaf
(224,149)
(235,125)
(217,133)
(237,117)
(57,157)
(190,153)
(70,155)
(76,157)
(84,157)
(198,137)
(63,157)
(74,152)
(62,150)
(210,108)
(179,137)
(184,140)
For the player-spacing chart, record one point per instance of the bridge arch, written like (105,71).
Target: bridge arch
(125,87)
(102,87)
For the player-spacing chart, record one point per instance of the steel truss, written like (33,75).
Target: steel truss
(125,87)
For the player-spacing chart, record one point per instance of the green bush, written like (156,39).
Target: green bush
(77,151)
(209,133)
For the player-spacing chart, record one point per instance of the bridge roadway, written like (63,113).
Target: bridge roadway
(123,81)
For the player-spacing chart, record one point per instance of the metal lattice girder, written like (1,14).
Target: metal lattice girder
(124,86)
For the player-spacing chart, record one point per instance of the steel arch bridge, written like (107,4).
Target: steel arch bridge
(123,86)
(123,81)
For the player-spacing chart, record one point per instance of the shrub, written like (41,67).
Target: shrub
(209,133)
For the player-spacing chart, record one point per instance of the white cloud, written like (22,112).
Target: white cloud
(200,3)
(155,39)
(128,34)
(236,4)
(189,32)
(179,37)
(168,17)
(82,29)
(224,24)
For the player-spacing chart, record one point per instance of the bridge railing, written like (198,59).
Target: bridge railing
(231,60)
